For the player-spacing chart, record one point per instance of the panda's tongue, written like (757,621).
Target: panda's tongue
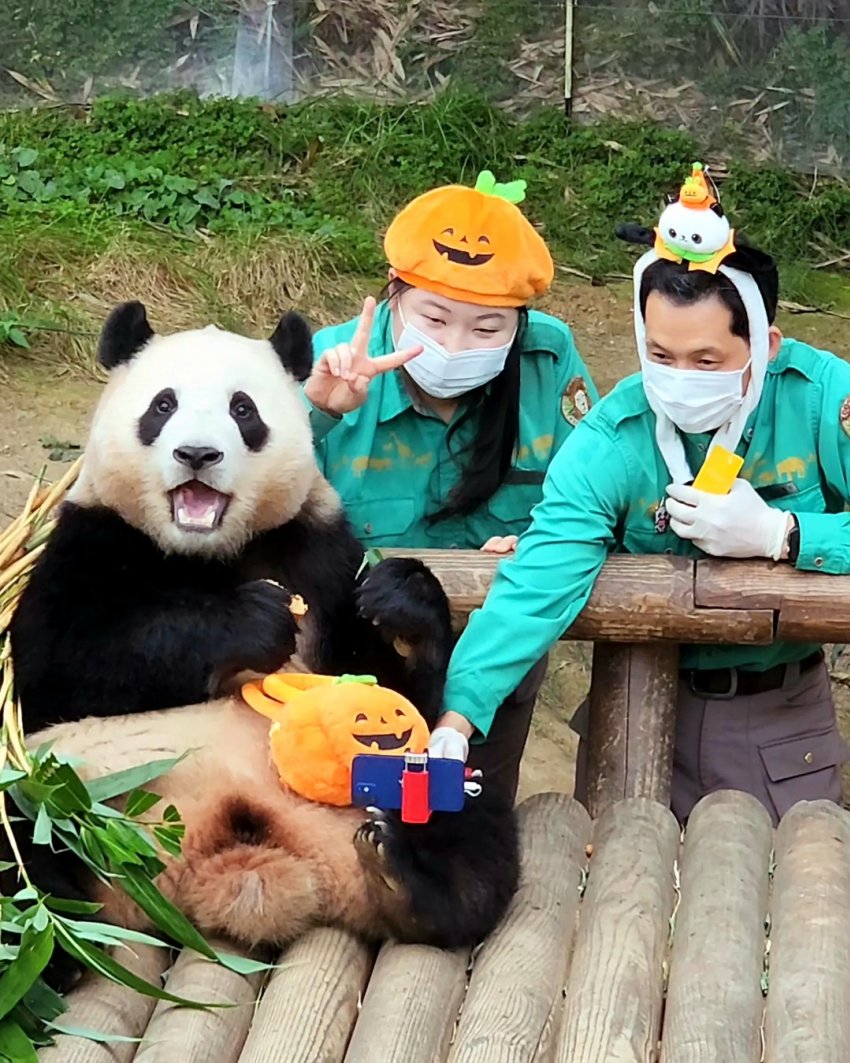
(197,507)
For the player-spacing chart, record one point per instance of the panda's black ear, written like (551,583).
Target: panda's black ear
(633,233)
(293,344)
(124,334)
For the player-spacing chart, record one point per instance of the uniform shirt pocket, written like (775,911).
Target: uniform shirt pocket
(510,508)
(381,521)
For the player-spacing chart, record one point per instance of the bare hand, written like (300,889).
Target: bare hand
(341,377)
(500,544)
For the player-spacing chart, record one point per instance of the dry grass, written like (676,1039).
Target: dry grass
(381,49)
(243,284)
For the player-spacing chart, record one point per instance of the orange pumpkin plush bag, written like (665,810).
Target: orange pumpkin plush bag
(321,723)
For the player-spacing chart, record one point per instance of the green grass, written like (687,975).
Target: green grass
(188,193)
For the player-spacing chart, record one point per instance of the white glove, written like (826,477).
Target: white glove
(740,524)
(447,742)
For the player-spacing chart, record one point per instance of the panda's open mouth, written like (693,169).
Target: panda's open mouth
(195,507)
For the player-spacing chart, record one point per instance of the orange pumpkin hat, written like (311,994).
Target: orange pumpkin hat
(471,244)
(321,723)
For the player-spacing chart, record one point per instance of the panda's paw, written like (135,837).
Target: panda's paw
(375,842)
(406,602)
(267,627)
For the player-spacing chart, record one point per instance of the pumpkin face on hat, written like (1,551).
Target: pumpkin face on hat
(463,250)
(322,724)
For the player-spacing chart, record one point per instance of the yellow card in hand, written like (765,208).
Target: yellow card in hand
(718,471)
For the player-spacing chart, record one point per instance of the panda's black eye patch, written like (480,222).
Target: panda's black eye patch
(252,427)
(153,420)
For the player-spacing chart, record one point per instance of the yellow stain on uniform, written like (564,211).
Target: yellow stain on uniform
(542,445)
(791,467)
(522,453)
(404,451)
(425,459)
(361,464)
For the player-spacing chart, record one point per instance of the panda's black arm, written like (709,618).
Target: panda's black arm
(108,625)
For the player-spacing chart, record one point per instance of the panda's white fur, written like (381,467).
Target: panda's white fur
(129,618)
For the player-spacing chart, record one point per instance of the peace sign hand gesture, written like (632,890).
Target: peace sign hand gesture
(341,377)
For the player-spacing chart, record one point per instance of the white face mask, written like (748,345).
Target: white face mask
(443,375)
(695,400)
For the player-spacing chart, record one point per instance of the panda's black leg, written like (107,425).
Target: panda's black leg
(408,607)
(447,882)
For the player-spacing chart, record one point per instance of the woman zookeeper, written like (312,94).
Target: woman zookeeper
(715,371)
(451,450)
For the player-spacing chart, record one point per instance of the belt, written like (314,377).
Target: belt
(724,683)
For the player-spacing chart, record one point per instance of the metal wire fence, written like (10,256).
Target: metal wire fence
(769,78)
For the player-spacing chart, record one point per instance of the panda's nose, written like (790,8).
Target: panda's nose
(198,457)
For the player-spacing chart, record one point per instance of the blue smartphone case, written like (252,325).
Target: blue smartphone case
(376,781)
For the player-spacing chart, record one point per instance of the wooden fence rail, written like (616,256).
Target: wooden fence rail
(641,610)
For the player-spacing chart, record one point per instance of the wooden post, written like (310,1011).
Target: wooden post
(633,694)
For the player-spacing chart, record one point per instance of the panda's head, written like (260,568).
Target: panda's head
(201,439)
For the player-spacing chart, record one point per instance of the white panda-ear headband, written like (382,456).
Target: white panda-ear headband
(694,229)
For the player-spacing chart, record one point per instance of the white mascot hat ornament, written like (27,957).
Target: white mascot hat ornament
(695,230)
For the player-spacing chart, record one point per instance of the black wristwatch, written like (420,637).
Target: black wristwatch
(794,541)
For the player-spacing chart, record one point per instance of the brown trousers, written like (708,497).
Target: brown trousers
(500,754)
(782,746)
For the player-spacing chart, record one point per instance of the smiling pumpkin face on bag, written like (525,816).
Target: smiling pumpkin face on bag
(321,723)
(471,244)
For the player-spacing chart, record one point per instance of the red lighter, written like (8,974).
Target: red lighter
(415,803)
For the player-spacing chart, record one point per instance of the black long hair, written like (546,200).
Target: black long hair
(485,464)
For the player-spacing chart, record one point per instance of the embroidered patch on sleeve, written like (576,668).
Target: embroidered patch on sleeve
(844,416)
(575,402)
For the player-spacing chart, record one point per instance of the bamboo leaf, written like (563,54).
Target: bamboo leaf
(165,915)
(40,919)
(8,777)
(94,1035)
(139,802)
(242,964)
(43,828)
(122,782)
(76,846)
(15,1046)
(60,904)
(171,838)
(17,980)
(44,1001)
(97,932)
(102,963)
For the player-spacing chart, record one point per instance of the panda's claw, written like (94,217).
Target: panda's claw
(371,837)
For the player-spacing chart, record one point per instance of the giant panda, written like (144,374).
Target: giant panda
(199,512)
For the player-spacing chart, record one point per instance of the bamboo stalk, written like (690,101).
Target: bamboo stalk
(13,543)
(61,486)
(20,567)
(28,532)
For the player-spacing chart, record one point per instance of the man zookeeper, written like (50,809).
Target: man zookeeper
(715,370)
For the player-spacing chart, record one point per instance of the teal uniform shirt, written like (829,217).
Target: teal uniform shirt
(602,495)
(390,462)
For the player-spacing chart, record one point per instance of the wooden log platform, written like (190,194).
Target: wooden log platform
(625,942)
